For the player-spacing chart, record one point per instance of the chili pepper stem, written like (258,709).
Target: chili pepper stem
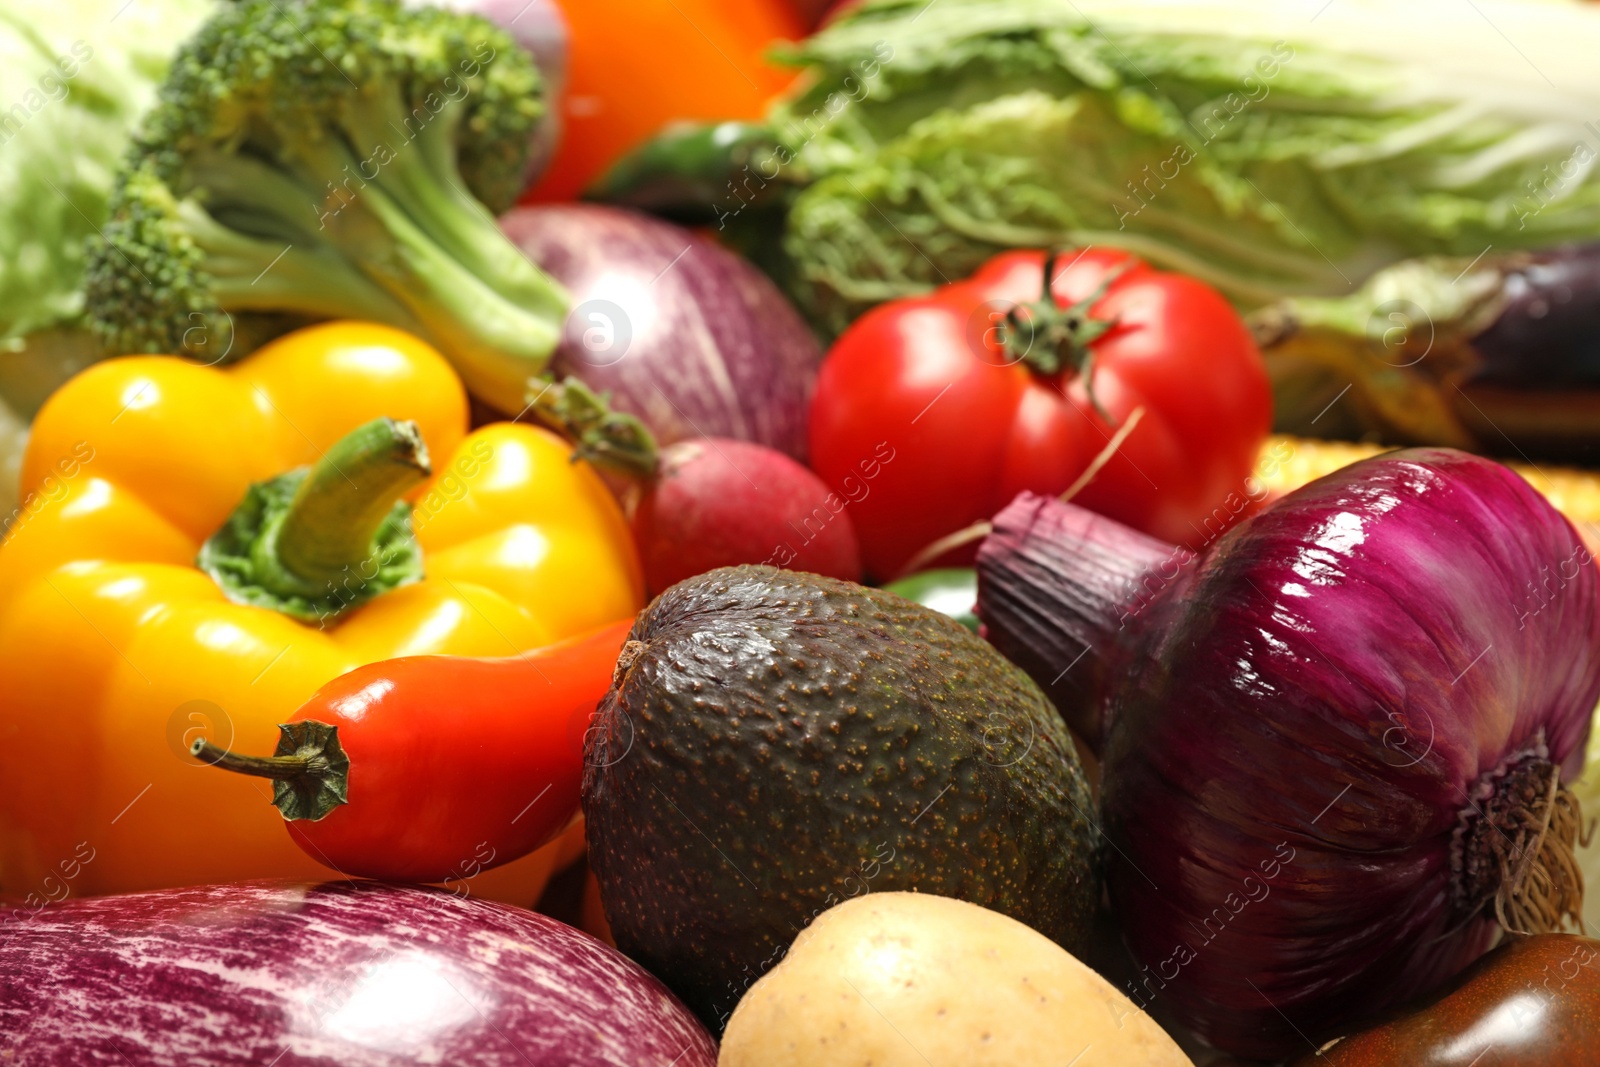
(310,770)
(283,768)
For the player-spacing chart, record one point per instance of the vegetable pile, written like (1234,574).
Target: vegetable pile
(983,125)
(1016,532)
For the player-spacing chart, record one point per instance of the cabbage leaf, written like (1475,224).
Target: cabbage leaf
(1272,148)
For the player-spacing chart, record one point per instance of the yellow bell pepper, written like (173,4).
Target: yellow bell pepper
(116,651)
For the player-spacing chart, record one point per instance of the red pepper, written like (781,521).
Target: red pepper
(433,768)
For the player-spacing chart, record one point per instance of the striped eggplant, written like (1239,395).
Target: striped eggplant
(347,974)
(680,331)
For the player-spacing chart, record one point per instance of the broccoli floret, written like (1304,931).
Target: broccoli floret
(332,159)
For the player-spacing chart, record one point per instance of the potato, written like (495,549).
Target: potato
(913,980)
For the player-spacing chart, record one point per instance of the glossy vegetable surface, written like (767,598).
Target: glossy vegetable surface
(678,330)
(359,974)
(705,502)
(976,408)
(1337,738)
(637,65)
(433,768)
(1534,1002)
(719,503)
(119,651)
(1287,463)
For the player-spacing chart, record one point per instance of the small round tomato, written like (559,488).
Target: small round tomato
(932,413)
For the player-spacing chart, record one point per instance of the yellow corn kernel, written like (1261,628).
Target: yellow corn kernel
(1290,462)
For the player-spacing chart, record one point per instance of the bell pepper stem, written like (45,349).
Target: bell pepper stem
(346,496)
(316,541)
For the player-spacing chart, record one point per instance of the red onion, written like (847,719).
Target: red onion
(1326,734)
(681,332)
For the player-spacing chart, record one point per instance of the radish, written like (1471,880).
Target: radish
(707,502)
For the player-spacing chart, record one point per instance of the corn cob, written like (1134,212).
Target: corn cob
(1287,463)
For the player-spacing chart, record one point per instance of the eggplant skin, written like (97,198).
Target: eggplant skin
(677,329)
(357,974)
(1547,334)
(1532,1002)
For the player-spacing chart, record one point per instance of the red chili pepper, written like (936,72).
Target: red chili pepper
(433,768)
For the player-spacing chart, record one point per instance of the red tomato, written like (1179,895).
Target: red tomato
(929,418)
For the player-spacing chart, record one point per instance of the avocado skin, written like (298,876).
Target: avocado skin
(774,743)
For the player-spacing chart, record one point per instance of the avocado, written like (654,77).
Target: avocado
(774,743)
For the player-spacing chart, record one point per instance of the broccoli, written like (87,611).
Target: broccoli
(332,159)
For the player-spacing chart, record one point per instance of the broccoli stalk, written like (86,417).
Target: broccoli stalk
(333,159)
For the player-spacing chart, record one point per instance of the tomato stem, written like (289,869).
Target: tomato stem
(1050,338)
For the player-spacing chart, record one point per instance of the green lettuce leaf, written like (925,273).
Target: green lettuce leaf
(74,76)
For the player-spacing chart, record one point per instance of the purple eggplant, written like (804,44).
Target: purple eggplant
(358,974)
(680,331)
(1497,354)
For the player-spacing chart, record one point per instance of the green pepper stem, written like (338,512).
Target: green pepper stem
(315,542)
(336,512)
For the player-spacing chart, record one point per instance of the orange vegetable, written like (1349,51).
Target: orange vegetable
(636,65)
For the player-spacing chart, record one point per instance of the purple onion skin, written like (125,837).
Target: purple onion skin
(714,349)
(1296,725)
(1072,654)
(355,974)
